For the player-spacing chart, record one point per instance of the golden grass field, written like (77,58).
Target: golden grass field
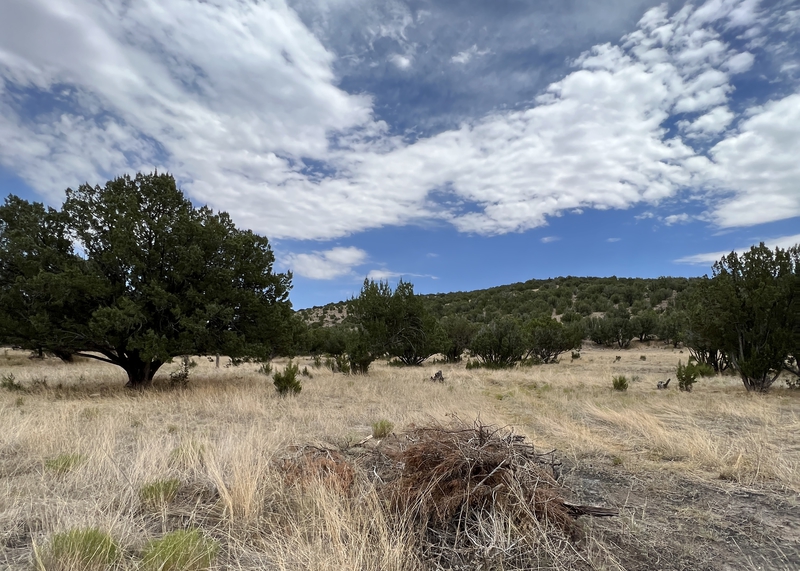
(703,480)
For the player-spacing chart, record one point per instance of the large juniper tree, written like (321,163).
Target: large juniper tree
(132,274)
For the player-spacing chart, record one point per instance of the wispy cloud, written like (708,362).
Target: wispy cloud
(466,55)
(613,239)
(709,258)
(548,239)
(384,274)
(326,265)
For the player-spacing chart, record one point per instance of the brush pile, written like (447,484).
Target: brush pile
(478,496)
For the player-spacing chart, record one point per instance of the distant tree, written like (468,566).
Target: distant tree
(394,322)
(459,333)
(672,327)
(644,324)
(548,338)
(132,274)
(501,343)
(751,298)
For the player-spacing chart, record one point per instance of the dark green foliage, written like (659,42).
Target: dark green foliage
(394,322)
(547,339)
(10,383)
(746,311)
(620,383)
(286,382)
(180,379)
(458,332)
(644,324)
(152,278)
(687,376)
(501,343)
(672,327)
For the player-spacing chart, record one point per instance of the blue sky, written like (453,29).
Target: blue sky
(459,145)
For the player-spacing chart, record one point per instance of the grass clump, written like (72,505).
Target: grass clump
(687,374)
(286,383)
(78,550)
(183,550)
(382,428)
(159,492)
(64,463)
(9,383)
(620,383)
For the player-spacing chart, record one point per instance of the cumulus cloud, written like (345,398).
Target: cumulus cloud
(682,218)
(242,104)
(326,265)
(709,258)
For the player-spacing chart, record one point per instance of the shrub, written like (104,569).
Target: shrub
(687,375)
(576,355)
(643,357)
(286,383)
(79,550)
(180,379)
(620,383)
(305,372)
(9,383)
(317,362)
(265,369)
(160,492)
(183,550)
(382,428)
(64,463)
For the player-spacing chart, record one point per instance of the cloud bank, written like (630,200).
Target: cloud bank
(240,100)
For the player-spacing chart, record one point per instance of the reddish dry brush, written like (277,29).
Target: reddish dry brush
(311,465)
(450,472)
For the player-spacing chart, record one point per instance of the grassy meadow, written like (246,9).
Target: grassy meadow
(703,480)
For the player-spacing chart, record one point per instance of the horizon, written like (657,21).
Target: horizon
(457,145)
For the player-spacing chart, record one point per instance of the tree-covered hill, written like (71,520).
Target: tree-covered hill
(537,298)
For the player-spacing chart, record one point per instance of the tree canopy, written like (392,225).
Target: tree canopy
(132,274)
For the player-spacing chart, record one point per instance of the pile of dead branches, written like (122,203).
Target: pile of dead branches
(478,495)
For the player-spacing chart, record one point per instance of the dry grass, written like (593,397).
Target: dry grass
(223,438)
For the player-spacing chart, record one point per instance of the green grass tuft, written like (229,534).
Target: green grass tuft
(79,550)
(184,550)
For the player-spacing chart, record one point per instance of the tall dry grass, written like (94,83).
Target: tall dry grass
(222,437)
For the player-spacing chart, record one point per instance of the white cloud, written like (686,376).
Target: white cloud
(712,123)
(682,218)
(709,258)
(401,61)
(326,265)
(466,55)
(243,96)
(386,275)
(759,165)
(613,240)
(548,239)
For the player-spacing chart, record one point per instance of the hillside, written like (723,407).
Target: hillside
(555,296)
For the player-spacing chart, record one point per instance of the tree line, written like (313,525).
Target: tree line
(133,274)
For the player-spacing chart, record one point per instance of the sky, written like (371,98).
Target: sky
(455,144)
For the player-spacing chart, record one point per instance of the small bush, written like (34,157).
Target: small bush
(382,428)
(342,363)
(159,492)
(643,357)
(305,372)
(64,463)
(183,550)
(687,375)
(286,383)
(576,355)
(180,379)
(265,369)
(9,383)
(620,383)
(79,550)
(317,362)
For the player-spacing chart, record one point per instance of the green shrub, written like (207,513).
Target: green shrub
(183,550)
(265,369)
(159,492)
(317,362)
(382,428)
(180,379)
(576,355)
(286,383)
(79,550)
(643,357)
(620,383)
(305,372)
(9,383)
(64,463)
(687,375)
